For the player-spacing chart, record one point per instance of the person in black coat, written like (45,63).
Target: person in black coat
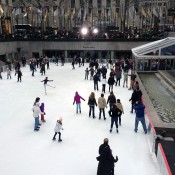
(139,94)
(92,103)
(111,82)
(111,99)
(106,160)
(133,100)
(96,79)
(19,75)
(114,114)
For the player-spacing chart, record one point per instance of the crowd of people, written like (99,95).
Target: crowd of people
(109,74)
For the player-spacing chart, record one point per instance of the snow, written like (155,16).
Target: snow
(24,151)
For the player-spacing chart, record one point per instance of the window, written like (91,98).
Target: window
(72,3)
(108,3)
(99,3)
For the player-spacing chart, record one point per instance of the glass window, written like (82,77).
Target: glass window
(72,3)
(99,3)
(170,50)
(108,3)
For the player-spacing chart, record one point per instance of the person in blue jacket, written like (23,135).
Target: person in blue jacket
(140,116)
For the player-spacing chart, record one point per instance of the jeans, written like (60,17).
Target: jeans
(114,120)
(78,106)
(36,122)
(142,120)
(102,110)
(96,86)
(92,108)
(103,87)
(110,88)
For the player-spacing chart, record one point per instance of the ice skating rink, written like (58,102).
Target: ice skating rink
(25,152)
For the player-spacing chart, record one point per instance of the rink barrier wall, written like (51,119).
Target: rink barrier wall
(150,129)
(161,157)
(162,160)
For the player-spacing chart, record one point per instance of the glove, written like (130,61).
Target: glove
(73,103)
(44,113)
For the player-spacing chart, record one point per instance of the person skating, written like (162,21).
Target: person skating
(42,110)
(111,99)
(77,100)
(114,114)
(96,79)
(86,74)
(91,73)
(106,160)
(19,75)
(120,106)
(9,73)
(140,116)
(102,105)
(0,75)
(58,129)
(92,102)
(43,69)
(133,100)
(36,112)
(111,82)
(45,84)
(103,81)
(125,81)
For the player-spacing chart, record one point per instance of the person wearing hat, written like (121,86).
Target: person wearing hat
(106,159)
(140,116)
(36,112)
(57,129)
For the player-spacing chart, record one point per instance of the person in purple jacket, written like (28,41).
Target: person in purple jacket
(77,100)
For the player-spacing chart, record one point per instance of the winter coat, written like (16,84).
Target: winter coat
(42,107)
(36,111)
(58,127)
(92,102)
(96,78)
(111,81)
(133,97)
(139,95)
(111,99)
(106,162)
(118,74)
(120,106)
(77,98)
(102,102)
(139,110)
(115,112)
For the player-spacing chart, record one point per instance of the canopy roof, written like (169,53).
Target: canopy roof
(164,48)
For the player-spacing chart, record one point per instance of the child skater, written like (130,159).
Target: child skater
(57,129)
(43,113)
(45,84)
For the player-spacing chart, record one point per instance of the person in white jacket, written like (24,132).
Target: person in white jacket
(36,112)
(57,129)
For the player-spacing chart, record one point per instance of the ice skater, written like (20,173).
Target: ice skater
(57,129)
(45,84)
(42,110)
(77,100)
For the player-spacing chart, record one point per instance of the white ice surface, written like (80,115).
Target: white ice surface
(25,152)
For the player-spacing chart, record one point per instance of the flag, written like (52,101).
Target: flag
(143,12)
(155,12)
(132,12)
(73,14)
(1,11)
(160,12)
(79,14)
(55,13)
(18,11)
(84,15)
